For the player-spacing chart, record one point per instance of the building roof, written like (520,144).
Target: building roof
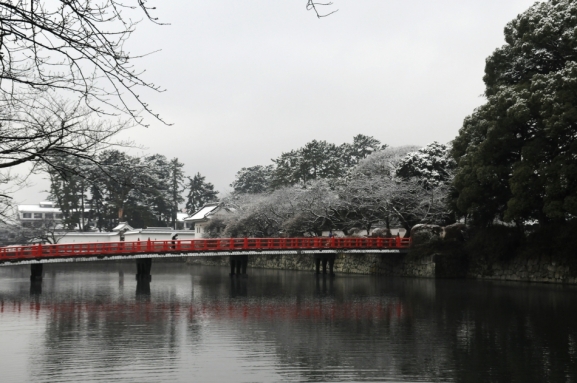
(122,226)
(37,209)
(203,212)
(155,229)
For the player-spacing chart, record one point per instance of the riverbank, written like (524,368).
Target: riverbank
(434,265)
(498,253)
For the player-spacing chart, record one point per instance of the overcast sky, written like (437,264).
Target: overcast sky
(247,80)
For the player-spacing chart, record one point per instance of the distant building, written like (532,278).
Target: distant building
(39,215)
(199,220)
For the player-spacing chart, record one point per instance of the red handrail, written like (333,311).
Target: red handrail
(16,253)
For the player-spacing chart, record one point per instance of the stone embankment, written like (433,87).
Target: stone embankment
(436,265)
(383,264)
(425,261)
(543,269)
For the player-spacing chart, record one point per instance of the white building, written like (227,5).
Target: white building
(39,215)
(125,232)
(199,220)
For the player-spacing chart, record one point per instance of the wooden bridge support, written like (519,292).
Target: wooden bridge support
(238,264)
(36,272)
(325,258)
(143,266)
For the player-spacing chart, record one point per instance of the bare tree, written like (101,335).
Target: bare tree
(53,135)
(49,128)
(311,209)
(75,46)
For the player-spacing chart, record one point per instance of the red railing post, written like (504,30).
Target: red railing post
(398,241)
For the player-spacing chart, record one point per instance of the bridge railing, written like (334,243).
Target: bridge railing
(196,245)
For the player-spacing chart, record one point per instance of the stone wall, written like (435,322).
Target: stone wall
(384,264)
(438,265)
(543,269)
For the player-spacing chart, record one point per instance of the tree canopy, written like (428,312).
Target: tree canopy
(73,46)
(516,153)
(200,193)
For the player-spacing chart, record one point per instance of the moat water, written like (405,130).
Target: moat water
(94,323)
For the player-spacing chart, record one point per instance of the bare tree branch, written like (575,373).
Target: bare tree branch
(75,46)
(311,4)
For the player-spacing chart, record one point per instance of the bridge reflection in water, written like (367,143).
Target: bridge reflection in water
(196,323)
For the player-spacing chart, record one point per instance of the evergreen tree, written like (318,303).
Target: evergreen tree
(252,180)
(431,165)
(176,187)
(200,193)
(362,147)
(516,154)
(69,190)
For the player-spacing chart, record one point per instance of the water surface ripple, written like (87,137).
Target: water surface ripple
(95,323)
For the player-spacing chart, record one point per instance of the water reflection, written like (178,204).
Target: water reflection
(90,323)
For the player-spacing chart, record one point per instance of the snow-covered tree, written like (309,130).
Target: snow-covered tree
(319,160)
(256,215)
(316,160)
(253,180)
(516,153)
(309,210)
(381,163)
(431,165)
(76,47)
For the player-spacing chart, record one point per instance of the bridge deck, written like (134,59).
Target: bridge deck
(96,251)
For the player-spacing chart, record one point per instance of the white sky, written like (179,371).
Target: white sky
(247,80)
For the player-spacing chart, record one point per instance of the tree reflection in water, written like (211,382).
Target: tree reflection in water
(195,322)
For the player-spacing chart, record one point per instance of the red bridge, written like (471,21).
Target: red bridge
(238,249)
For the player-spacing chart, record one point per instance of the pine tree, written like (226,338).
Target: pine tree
(200,193)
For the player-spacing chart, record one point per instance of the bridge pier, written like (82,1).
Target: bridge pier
(35,288)
(36,272)
(143,266)
(325,258)
(143,287)
(238,264)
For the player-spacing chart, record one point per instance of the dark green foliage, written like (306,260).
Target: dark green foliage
(175,188)
(69,190)
(556,240)
(539,41)
(200,193)
(315,161)
(517,153)
(362,147)
(495,243)
(118,187)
